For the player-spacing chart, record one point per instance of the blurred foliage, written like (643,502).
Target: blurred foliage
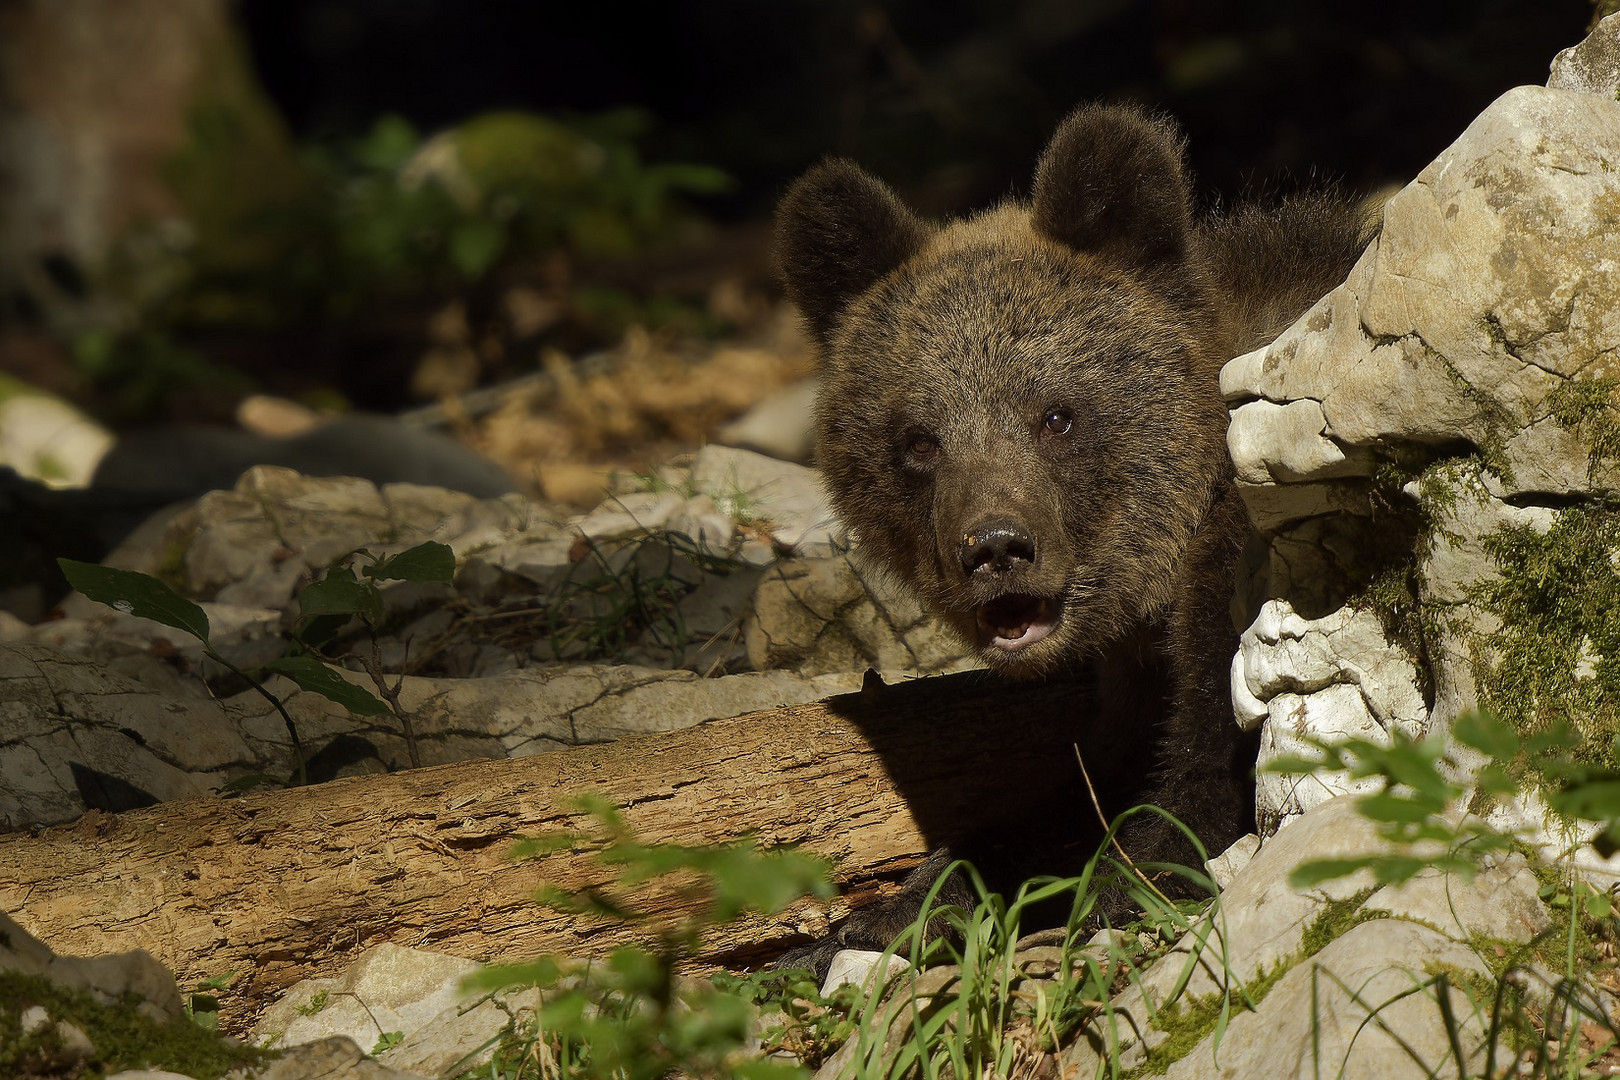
(392,213)
(346,236)
(146,368)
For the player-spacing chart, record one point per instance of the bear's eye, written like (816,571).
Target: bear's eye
(1057,422)
(920,445)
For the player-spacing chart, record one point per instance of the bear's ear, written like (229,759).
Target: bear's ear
(1112,180)
(837,231)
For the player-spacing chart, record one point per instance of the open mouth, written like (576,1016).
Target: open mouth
(1016,621)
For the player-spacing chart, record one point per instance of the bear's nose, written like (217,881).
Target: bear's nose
(996,547)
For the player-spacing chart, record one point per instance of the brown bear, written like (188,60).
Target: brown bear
(1020,416)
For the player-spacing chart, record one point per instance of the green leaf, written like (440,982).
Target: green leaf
(475,244)
(1397,809)
(314,676)
(1316,871)
(1495,780)
(542,972)
(767,1069)
(429,561)
(746,879)
(1394,869)
(389,144)
(317,632)
(137,594)
(1293,764)
(339,593)
(1595,797)
(1482,731)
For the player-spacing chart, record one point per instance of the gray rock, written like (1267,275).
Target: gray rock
(1260,925)
(337,1058)
(1332,678)
(863,968)
(700,520)
(1593,66)
(1448,329)
(826,615)
(630,515)
(107,978)
(47,439)
(67,723)
(1366,1006)
(753,488)
(1463,341)
(782,426)
(390,989)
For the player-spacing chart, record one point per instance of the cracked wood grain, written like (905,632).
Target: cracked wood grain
(282,886)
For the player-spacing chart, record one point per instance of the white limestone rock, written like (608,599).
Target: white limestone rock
(1593,66)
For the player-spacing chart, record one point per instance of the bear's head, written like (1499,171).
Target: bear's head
(1019,411)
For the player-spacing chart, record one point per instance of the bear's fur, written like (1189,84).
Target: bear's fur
(1020,415)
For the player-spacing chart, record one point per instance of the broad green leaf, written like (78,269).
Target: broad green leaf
(316,677)
(1394,869)
(1294,764)
(1495,780)
(138,594)
(767,1069)
(340,594)
(429,561)
(1400,809)
(1482,731)
(747,880)
(542,972)
(1417,766)
(1595,797)
(1316,871)
(317,632)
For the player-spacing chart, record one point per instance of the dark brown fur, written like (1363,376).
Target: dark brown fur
(1020,415)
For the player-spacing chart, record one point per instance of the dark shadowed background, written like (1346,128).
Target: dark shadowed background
(202,199)
(951,98)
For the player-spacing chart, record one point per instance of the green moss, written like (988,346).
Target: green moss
(122,1036)
(316,1003)
(1402,533)
(1188,1022)
(1556,659)
(1589,407)
(1492,422)
(1337,918)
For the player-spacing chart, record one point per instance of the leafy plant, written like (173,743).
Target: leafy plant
(629,1015)
(324,606)
(392,212)
(1417,788)
(201,1003)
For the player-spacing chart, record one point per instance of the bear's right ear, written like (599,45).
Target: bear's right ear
(838,230)
(1113,181)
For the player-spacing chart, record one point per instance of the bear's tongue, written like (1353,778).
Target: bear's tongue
(1016,621)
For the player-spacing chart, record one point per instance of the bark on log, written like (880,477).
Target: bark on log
(287,885)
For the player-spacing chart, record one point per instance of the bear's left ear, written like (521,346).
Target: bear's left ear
(1112,181)
(838,230)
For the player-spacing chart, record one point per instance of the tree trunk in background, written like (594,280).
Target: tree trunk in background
(283,886)
(99,102)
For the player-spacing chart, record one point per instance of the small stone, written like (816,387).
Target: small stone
(1225,867)
(859,967)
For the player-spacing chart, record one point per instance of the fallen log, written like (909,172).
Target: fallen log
(281,886)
